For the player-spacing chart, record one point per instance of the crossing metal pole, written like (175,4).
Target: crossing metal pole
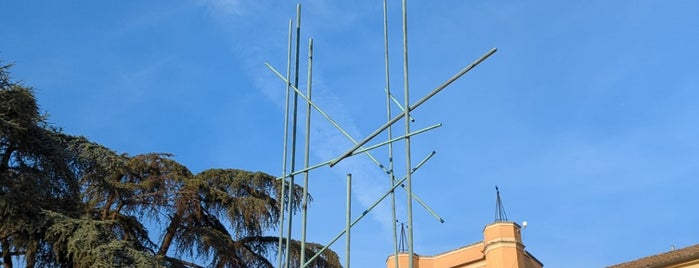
(366,211)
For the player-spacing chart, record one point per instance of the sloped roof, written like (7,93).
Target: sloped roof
(664,259)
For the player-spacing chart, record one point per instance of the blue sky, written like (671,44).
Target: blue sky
(586,117)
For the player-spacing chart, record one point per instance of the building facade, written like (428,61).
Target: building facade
(501,247)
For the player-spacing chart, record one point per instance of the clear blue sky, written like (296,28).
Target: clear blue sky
(586,117)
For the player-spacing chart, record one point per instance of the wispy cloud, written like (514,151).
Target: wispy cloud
(227,7)
(327,142)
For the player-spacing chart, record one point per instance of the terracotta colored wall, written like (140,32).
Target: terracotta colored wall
(691,264)
(501,247)
(403,261)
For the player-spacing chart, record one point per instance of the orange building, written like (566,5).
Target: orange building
(682,258)
(501,247)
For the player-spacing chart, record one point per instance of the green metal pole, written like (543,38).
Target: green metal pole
(293,134)
(395,101)
(366,212)
(349,220)
(412,107)
(369,148)
(339,128)
(391,173)
(280,253)
(304,203)
(408,164)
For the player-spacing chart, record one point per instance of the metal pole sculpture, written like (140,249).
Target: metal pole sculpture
(406,103)
(287,187)
(366,211)
(286,138)
(359,148)
(348,225)
(293,136)
(389,131)
(304,203)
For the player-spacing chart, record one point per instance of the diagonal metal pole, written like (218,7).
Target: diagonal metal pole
(366,211)
(338,127)
(286,138)
(413,107)
(412,119)
(364,149)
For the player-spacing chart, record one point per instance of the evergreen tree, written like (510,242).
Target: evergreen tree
(68,202)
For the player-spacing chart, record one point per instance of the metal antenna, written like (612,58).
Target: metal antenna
(500,214)
(403,238)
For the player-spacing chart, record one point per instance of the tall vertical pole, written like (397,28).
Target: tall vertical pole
(406,104)
(306,153)
(286,138)
(349,220)
(293,134)
(390,134)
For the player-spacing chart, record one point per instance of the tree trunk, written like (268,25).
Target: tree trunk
(5,161)
(30,254)
(31,260)
(107,205)
(169,234)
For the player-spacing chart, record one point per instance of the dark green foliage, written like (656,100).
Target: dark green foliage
(87,242)
(36,172)
(68,202)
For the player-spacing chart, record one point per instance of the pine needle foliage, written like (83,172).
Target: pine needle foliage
(66,201)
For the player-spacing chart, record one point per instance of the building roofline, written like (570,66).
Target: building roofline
(456,249)
(442,253)
(663,259)
(533,258)
(502,222)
